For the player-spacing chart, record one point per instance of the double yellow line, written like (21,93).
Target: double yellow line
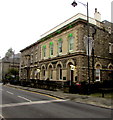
(37,93)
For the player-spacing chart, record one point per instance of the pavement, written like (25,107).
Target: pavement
(96,101)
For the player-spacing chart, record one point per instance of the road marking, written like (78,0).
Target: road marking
(30,103)
(10,92)
(45,95)
(39,93)
(25,98)
(35,92)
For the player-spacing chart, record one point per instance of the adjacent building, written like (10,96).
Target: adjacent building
(7,63)
(61,55)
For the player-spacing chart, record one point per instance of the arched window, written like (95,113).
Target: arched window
(59,72)
(110,72)
(98,67)
(50,73)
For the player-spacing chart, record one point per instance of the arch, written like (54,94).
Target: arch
(69,61)
(98,65)
(50,64)
(59,63)
(110,66)
(43,66)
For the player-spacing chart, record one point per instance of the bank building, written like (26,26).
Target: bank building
(61,54)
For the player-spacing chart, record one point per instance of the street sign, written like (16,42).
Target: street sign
(90,41)
(72,67)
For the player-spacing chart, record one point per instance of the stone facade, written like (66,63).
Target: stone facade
(53,56)
(8,63)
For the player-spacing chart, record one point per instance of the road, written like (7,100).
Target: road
(17,103)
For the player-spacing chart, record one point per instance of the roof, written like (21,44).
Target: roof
(75,17)
(63,24)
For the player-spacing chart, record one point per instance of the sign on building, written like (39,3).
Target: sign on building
(72,67)
(88,40)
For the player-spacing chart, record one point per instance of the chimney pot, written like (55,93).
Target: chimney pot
(95,10)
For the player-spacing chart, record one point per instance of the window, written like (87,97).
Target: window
(98,67)
(59,72)
(110,72)
(36,57)
(60,46)
(60,76)
(110,47)
(44,51)
(43,72)
(31,58)
(50,73)
(51,48)
(97,74)
(71,42)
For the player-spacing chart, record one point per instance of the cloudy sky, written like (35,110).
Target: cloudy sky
(22,22)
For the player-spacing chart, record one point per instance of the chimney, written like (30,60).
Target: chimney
(97,15)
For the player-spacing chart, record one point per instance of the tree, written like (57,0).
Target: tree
(9,53)
(12,76)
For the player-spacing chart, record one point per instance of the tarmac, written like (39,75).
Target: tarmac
(96,101)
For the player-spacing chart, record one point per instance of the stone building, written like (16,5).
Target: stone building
(7,63)
(60,54)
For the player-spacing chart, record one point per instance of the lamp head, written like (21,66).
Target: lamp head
(74,3)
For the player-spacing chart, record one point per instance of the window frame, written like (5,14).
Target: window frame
(71,42)
(51,49)
(44,51)
(97,74)
(60,46)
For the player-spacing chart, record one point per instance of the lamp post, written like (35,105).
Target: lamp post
(86,5)
(93,52)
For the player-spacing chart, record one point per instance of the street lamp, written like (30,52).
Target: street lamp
(86,5)
(74,3)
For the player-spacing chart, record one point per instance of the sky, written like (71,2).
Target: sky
(22,22)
